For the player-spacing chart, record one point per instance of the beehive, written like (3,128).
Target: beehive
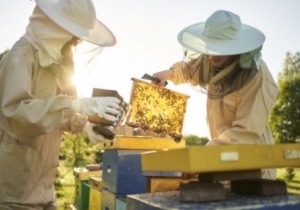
(82,188)
(95,198)
(158,109)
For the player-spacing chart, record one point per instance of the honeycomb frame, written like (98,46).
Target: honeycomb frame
(157,109)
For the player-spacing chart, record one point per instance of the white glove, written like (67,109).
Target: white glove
(93,137)
(104,107)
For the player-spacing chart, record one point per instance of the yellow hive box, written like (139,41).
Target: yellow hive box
(84,174)
(96,182)
(95,198)
(222,158)
(157,109)
(142,142)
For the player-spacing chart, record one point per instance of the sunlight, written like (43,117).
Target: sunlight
(83,81)
(85,58)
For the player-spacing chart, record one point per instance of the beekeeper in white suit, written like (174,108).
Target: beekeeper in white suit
(38,100)
(225,62)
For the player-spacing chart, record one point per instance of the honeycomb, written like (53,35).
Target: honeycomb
(157,109)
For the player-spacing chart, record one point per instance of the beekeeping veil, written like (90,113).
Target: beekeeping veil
(222,34)
(54,22)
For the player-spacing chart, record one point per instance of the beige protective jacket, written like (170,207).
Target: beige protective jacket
(33,113)
(241,116)
(35,103)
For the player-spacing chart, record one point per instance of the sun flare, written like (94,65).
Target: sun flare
(83,82)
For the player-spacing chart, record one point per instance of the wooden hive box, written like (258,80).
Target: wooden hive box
(95,197)
(82,188)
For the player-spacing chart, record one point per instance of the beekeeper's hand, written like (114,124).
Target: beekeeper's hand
(93,137)
(104,107)
(163,76)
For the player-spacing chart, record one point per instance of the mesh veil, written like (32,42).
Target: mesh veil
(216,83)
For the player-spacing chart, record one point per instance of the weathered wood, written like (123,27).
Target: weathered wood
(170,200)
(229,175)
(200,191)
(164,184)
(125,130)
(261,187)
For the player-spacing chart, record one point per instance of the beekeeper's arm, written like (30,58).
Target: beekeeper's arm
(181,72)
(25,116)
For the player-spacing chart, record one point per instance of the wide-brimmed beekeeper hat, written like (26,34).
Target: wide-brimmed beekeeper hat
(222,34)
(78,17)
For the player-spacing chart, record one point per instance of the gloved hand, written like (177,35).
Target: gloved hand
(93,137)
(104,107)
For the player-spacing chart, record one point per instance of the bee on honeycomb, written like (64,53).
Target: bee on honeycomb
(157,109)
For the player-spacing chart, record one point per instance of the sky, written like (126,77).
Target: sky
(146,33)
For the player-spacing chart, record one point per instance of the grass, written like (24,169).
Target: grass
(67,192)
(68,187)
(67,200)
(292,186)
